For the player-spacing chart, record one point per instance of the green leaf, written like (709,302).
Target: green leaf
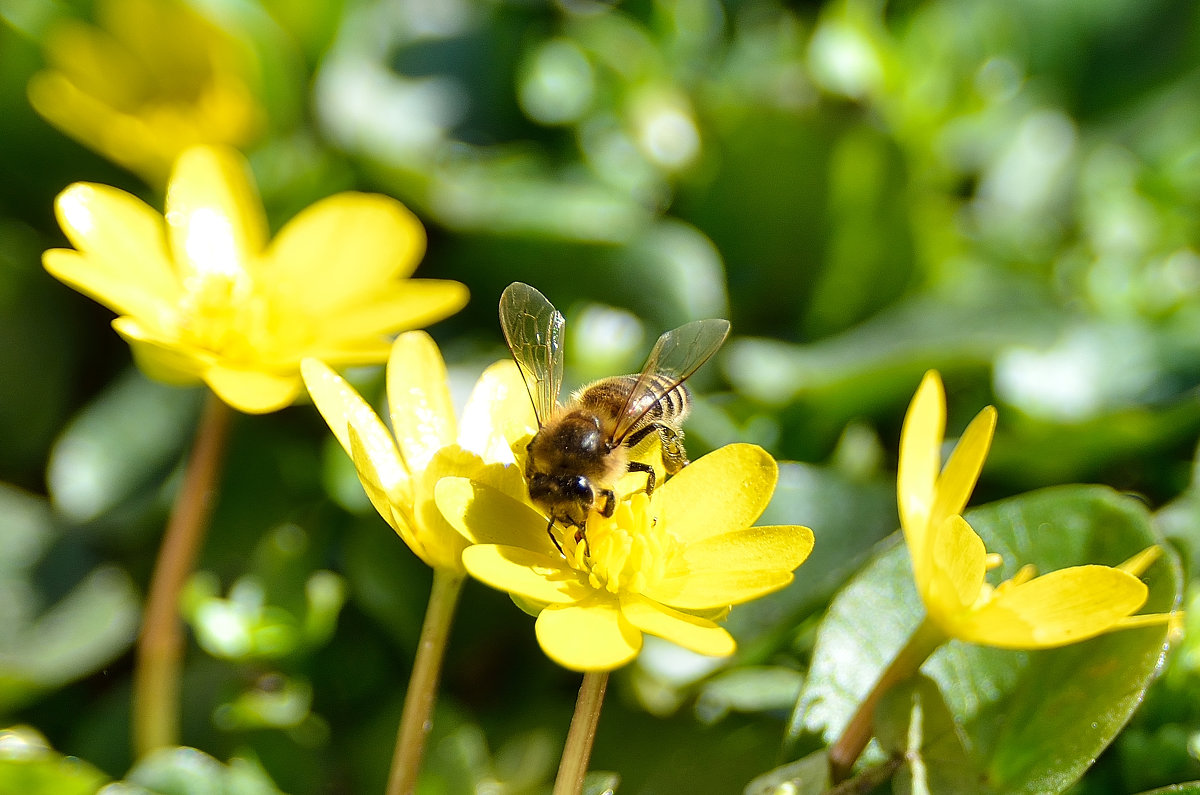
(186,771)
(601,783)
(1186,788)
(807,776)
(748,689)
(131,434)
(915,725)
(1036,720)
(29,766)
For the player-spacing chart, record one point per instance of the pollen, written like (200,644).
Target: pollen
(627,552)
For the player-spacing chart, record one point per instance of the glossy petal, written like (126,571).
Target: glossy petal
(397,306)
(920,461)
(253,391)
(487,515)
(590,636)
(342,248)
(725,490)
(697,634)
(215,218)
(419,399)
(497,411)
(386,502)
(122,259)
(716,589)
(441,538)
(343,409)
(751,549)
(1061,607)
(957,573)
(542,578)
(163,359)
(961,473)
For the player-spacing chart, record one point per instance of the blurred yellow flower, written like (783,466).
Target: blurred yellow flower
(202,296)
(399,472)
(668,564)
(950,562)
(153,79)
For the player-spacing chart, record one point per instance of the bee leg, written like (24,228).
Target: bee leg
(610,501)
(554,538)
(638,466)
(674,456)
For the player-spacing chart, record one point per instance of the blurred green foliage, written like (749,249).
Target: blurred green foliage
(1009,192)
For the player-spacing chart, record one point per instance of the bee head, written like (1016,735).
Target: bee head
(567,498)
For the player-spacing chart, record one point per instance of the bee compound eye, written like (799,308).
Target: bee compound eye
(580,487)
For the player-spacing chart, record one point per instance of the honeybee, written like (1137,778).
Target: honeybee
(581,449)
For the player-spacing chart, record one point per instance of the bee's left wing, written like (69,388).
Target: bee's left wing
(677,354)
(533,329)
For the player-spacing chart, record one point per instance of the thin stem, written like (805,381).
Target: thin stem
(160,644)
(416,722)
(858,732)
(582,734)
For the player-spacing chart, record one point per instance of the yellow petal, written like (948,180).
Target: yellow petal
(716,589)
(118,136)
(163,359)
(216,221)
(253,391)
(497,413)
(345,410)
(920,461)
(590,636)
(697,634)
(486,515)
(122,261)
(782,547)
(344,249)
(395,306)
(722,491)
(390,504)
(958,479)
(419,399)
(441,538)
(1141,561)
(959,563)
(1061,607)
(542,578)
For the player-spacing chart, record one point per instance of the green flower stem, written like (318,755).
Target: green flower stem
(416,722)
(581,735)
(160,644)
(858,732)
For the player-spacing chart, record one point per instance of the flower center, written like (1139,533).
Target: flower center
(220,313)
(627,551)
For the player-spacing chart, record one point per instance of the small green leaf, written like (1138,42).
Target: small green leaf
(134,432)
(186,771)
(601,783)
(807,776)
(29,766)
(1036,720)
(1186,788)
(749,689)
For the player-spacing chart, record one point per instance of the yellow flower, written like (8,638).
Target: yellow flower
(950,562)
(202,296)
(154,79)
(399,472)
(666,564)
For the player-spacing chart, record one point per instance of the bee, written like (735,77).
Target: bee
(581,449)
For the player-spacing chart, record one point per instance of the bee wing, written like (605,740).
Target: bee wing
(677,354)
(533,329)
